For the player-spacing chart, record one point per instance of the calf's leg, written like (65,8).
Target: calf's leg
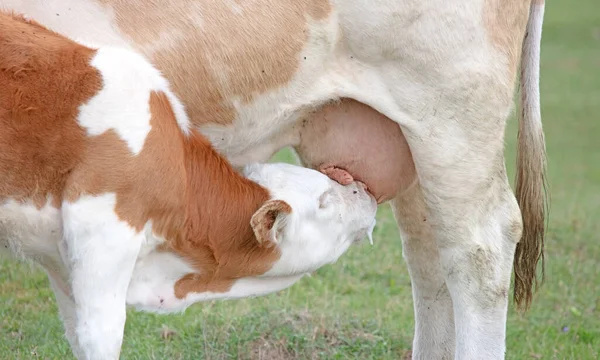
(66,309)
(101,254)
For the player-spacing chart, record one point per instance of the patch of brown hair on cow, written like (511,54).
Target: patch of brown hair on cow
(234,50)
(192,196)
(505,22)
(44,78)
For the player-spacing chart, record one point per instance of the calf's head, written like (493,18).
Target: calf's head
(304,221)
(310,218)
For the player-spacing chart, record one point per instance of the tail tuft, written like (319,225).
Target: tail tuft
(531,166)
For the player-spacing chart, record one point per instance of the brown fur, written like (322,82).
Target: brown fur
(38,71)
(271,56)
(193,197)
(532,197)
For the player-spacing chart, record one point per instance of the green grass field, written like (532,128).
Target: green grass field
(361,307)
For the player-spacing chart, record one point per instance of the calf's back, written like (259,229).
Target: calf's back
(44,77)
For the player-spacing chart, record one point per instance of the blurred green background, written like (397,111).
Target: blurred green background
(361,307)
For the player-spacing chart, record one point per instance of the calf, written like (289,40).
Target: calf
(104,183)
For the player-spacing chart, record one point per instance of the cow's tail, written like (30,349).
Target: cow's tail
(531,165)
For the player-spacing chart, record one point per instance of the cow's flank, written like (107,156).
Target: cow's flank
(214,31)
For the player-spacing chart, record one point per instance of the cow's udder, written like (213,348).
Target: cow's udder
(351,136)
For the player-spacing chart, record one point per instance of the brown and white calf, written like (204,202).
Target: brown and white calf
(410,97)
(104,183)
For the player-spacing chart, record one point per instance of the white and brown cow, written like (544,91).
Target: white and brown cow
(105,184)
(411,97)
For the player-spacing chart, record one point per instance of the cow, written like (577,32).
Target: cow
(409,97)
(105,183)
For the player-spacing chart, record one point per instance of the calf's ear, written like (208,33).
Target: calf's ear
(269,220)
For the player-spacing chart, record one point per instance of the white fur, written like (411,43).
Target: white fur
(352,221)
(153,281)
(154,277)
(102,251)
(249,287)
(122,103)
(67,311)
(530,83)
(25,221)
(449,90)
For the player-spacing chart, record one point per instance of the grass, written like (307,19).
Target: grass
(361,307)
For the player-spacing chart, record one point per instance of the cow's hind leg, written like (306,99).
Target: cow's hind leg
(434,318)
(476,235)
(474,218)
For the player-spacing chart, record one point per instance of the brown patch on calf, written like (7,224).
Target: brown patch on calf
(230,54)
(194,198)
(505,22)
(44,78)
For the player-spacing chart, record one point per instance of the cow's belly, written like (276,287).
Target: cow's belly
(346,134)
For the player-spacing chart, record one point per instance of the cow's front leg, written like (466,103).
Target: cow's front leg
(101,253)
(434,318)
